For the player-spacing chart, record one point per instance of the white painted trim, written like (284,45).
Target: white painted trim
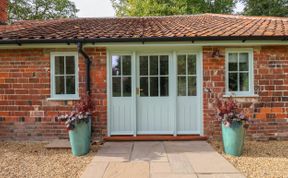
(155,132)
(173,74)
(108,85)
(251,71)
(121,133)
(188,132)
(134,93)
(54,96)
(200,89)
(140,44)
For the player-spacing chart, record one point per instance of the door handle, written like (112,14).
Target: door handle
(138,91)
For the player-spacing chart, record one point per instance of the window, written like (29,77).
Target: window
(64,76)
(239,73)
(154,76)
(186,75)
(121,76)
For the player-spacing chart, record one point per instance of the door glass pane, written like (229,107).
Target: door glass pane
(192,86)
(153,65)
(153,86)
(164,66)
(233,64)
(243,62)
(164,86)
(126,86)
(143,65)
(59,65)
(116,86)
(59,85)
(233,82)
(143,86)
(244,82)
(126,62)
(70,85)
(70,65)
(116,65)
(191,64)
(181,86)
(181,64)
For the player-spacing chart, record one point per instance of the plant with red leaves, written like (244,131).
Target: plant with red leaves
(81,113)
(229,111)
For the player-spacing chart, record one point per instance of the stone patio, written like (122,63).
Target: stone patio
(185,159)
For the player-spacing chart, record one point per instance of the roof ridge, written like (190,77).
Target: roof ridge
(248,17)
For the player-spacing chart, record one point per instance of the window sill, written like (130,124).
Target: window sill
(241,96)
(63,99)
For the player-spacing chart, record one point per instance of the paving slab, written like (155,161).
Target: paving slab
(111,157)
(116,147)
(149,151)
(182,159)
(160,167)
(221,176)
(95,170)
(127,170)
(173,175)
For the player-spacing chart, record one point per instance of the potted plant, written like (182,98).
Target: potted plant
(234,123)
(78,123)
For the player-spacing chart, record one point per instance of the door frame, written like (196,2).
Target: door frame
(172,52)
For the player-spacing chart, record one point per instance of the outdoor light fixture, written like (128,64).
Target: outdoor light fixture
(216,54)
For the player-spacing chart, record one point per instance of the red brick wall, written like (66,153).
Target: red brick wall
(271,83)
(25,112)
(3,11)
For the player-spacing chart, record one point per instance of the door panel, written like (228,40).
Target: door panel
(187,94)
(121,101)
(154,108)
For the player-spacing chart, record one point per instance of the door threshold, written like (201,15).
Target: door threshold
(156,138)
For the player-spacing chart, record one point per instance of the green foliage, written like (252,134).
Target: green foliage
(266,7)
(171,7)
(41,9)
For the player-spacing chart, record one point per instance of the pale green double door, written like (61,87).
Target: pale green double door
(154,94)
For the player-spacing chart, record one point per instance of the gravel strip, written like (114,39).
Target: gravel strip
(260,159)
(30,159)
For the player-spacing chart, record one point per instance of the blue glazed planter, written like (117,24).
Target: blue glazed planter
(80,138)
(233,138)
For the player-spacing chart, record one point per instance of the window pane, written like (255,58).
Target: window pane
(126,62)
(192,86)
(181,86)
(59,65)
(191,64)
(181,64)
(233,82)
(143,86)
(154,86)
(153,65)
(116,85)
(70,65)
(243,62)
(126,86)
(143,65)
(164,66)
(116,65)
(244,82)
(233,64)
(164,86)
(70,85)
(59,85)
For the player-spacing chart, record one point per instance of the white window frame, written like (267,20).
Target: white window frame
(53,95)
(251,72)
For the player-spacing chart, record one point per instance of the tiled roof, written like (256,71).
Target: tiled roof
(187,27)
